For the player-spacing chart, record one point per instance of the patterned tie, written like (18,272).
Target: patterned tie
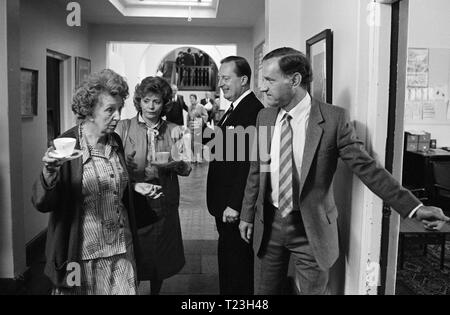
(285,200)
(225,117)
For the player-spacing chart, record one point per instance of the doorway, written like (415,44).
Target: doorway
(419,119)
(53,98)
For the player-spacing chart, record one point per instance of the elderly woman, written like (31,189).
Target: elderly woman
(90,242)
(145,137)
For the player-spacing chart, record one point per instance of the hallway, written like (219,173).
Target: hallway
(200,274)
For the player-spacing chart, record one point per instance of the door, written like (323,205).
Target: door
(53,98)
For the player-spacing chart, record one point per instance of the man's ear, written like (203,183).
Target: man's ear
(244,80)
(296,80)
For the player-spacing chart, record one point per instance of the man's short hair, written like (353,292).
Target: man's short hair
(292,61)
(194,96)
(241,67)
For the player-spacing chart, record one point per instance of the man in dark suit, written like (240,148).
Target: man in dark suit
(174,111)
(202,59)
(289,201)
(227,179)
(189,59)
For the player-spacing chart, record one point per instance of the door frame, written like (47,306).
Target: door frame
(395,143)
(67,86)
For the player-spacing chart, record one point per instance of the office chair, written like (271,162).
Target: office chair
(441,194)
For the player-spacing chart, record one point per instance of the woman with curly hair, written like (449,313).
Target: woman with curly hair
(146,137)
(91,238)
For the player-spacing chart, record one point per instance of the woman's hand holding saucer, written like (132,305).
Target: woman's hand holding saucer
(52,165)
(149,190)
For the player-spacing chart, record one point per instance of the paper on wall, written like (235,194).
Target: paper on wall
(429,111)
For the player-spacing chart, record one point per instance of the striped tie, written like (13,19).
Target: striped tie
(226,116)
(286,174)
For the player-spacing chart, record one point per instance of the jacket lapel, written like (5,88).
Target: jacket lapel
(272,119)
(268,134)
(240,111)
(137,136)
(313,136)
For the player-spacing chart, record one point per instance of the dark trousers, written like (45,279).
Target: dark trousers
(235,261)
(288,237)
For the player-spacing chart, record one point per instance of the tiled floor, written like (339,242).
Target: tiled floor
(200,275)
(196,222)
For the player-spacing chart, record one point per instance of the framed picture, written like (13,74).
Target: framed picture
(28,92)
(82,70)
(257,81)
(319,50)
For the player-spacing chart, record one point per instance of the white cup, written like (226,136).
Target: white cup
(162,157)
(65,146)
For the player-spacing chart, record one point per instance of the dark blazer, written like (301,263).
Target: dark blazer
(227,179)
(330,136)
(189,60)
(175,113)
(64,202)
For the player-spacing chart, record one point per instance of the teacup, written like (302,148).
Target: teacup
(162,157)
(65,146)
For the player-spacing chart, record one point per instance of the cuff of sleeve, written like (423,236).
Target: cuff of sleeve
(52,185)
(234,208)
(247,217)
(413,213)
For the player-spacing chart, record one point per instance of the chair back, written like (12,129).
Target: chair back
(441,172)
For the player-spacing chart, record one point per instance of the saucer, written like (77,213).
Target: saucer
(75,155)
(146,189)
(160,164)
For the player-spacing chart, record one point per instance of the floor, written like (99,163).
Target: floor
(200,275)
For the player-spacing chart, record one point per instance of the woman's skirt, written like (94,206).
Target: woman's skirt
(114,275)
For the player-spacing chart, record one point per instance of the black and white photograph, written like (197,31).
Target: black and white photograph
(223,153)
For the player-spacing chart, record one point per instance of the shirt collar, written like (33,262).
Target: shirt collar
(111,145)
(239,100)
(157,127)
(298,112)
(142,121)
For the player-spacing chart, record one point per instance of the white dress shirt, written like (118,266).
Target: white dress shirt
(300,118)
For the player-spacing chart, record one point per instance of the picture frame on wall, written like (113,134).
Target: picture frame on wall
(319,50)
(257,81)
(82,70)
(28,92)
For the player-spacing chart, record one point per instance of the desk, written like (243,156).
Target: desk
(418,169)
(415,229)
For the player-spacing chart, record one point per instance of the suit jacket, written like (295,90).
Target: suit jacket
(189,60)
(227,179)
(330,136)
(175,113)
